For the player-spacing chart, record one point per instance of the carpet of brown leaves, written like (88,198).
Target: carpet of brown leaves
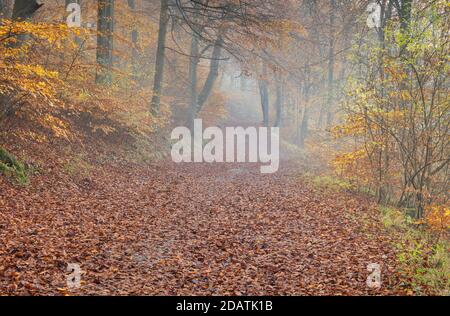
(188,230)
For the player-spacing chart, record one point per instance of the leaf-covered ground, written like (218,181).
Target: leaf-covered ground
(189,230)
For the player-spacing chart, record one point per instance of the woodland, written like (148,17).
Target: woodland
(91,90)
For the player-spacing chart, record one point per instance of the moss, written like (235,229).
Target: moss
(13,168)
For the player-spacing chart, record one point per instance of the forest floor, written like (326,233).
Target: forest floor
(191,229)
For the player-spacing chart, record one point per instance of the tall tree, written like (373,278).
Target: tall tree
(25,9)
(264,94)
(105,41)
(279,100)
(404,8)
(134,41)
(193,68)
(160,55)
(331,61)
(213,73)
(2,7)
(306,91)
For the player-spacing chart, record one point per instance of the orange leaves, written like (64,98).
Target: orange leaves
(349,159)
(354,125)
(281,30)
(186,230)
(438,217)
(396,73)
(353,165)
(50,32)
(57,126)
(37,70)
(26,77)
(29,79)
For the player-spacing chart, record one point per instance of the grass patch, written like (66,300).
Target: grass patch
(145,151)
(78,166)
(393,218)
(331,183)
(423,255)
(11,167)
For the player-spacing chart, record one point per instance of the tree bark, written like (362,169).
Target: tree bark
(2,8)
(404,9)
(5,9)
(330,97)
(105,41)
(304,126)
(134,41)
(264,93)
(212,75)
(193,64)
(25,9)
(279,102)
(160,54)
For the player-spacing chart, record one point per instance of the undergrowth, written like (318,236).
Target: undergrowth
(12,168)
(423,254)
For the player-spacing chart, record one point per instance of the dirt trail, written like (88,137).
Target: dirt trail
(188,229)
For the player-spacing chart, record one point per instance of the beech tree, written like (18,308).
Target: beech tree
(160,55)
(105,41)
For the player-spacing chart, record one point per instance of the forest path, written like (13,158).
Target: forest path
(189,229)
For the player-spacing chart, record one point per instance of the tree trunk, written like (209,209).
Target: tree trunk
(5,9)
(212,75)
(279,102)
(405,11)
(160,54)
(330,97)
(134,41)
(193,64)
(105,31)
(304,126)
(264,93)
(243,82)
(2,8)
(25,9)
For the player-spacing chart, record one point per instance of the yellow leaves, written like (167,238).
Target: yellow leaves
(354,125)
(438,217)
(401,95)
(341,162)
(36,70)
(363,122)
(354,165)
(392,115)
(396,73)
(57,126)
(51,32)
(22,76)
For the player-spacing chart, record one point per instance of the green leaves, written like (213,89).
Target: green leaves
(13,168)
